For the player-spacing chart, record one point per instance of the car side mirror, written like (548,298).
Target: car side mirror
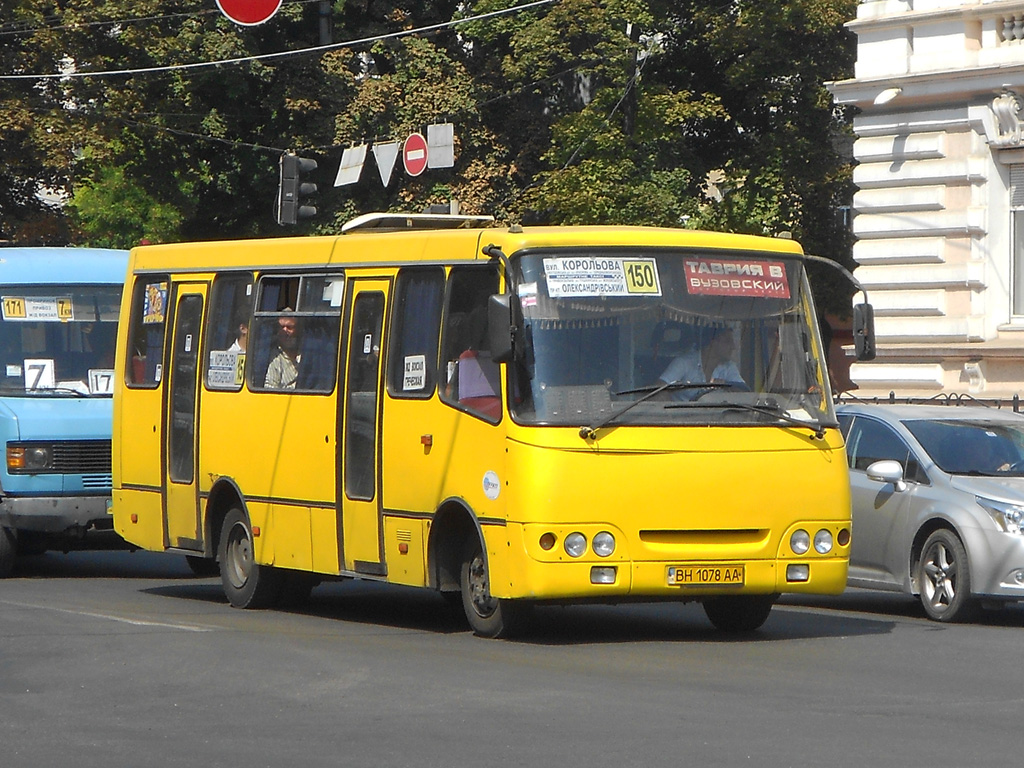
(887,471)
(864,331)
(499,327)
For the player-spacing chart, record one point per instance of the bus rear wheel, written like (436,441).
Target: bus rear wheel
(246,583)
(488,616)
(739,613)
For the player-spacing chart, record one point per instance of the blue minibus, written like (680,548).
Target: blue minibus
(58,330)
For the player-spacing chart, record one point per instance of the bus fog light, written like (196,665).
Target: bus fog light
(547,541)
(575,544)
(604,544)
(1018,577)
(823,542)
(602,574)
(843,538)
(798,572)
(800,542)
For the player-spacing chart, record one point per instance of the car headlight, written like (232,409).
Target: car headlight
(1009,517)
(800,542)
(575,544)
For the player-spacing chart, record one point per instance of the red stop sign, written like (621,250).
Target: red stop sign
(414,154)
(249,12)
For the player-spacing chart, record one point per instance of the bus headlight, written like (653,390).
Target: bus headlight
(575,544)
(604,544)
(823,542)
(800,542)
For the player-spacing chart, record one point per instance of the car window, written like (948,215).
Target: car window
(869,441)
(971,447)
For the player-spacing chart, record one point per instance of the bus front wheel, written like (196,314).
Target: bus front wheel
(246,583)
(739,613)
(488,616)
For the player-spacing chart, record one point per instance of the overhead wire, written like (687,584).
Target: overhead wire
(280,54)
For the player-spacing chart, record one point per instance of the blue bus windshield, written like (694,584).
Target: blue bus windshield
(58,339)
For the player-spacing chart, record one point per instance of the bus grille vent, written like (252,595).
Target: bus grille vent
(101,482)
(82,457)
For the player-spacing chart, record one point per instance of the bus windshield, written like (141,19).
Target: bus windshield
(640,336)
(58,339)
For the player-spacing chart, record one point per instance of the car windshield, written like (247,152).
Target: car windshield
(727,335)
(972,447)
(58,339)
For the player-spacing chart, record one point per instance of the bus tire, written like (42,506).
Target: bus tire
(246,583)
(8,551)
(739,613)
(487,616)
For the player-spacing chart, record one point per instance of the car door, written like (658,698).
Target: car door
(879,555)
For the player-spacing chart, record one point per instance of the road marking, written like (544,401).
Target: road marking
(108,617)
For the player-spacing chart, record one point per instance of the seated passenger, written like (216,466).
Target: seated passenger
(711,364)
(283,372)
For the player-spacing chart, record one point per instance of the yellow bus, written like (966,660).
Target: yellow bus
(509,416)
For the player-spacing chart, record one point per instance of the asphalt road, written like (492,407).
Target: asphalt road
(120,659)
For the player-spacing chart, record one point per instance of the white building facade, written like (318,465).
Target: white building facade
(939,207)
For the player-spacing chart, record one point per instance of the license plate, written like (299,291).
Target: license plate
(705,575)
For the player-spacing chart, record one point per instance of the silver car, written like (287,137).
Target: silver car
(938,503)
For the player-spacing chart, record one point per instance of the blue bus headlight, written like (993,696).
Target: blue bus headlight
(30,458)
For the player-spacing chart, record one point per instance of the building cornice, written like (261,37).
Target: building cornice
(927,87)
(908,16)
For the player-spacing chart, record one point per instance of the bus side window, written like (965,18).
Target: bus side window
(473,380)
(416,320)
(294,345)
(147,322)
(227,331)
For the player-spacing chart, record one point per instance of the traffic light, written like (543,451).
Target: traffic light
(292,189)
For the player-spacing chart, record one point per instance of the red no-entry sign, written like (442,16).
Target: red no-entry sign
(414,154)
(248,13)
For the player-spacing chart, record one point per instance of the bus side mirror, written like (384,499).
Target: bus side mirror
(499,327)
(864,332)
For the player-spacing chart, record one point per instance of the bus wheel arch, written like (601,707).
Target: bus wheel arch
(224,496)
(453,525)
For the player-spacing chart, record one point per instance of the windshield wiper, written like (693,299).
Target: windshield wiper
(590,433)
(767,407)
(56,391)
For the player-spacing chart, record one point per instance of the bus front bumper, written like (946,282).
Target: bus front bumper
(624,580)
(56,514)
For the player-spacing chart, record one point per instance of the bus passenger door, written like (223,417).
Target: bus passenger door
(181,510)
(359,499)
